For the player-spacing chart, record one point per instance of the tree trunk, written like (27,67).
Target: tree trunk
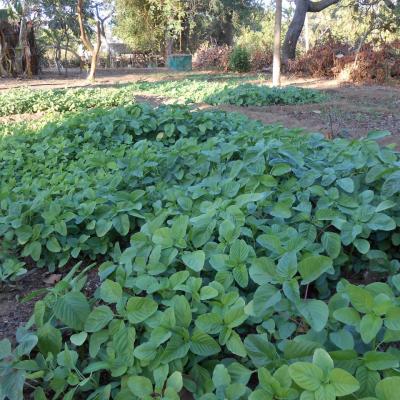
(95,55)
(93,50)
(294,30)
(228,28)
(20,49)
(296,26)
(276,71)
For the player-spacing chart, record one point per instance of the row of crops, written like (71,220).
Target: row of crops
(234,259)
(230,91)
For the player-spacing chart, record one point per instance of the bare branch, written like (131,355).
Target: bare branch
(317,6)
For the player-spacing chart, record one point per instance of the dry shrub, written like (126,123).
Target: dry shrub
(370,65)
(212,57)
(218,57)
(335,59)
(320,60)
(260,59)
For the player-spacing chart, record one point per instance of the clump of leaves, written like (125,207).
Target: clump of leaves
(25,100)
(222,246)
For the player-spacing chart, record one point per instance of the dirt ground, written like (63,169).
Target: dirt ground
(351,111)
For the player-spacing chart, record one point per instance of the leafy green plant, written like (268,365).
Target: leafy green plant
(195,89)
(239,60)
(320,380)
(221,247)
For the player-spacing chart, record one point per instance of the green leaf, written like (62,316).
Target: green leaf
(377,361)
(221,376)
(342,339)
(235,345)
(110,291)
(312,267)
(265,297)
(262,270)
(392,320)
(102,227)
(163,237)
(280,169)
(323,360)
(53,245)
(287,265)
(79,338)
(241,275)
(49,339)
(98,319)
(5,348)
(121,224)
(381,222)
(210,323)
(343,382)
(362,245)
(391,186)
(194,260)
(361,299)
(306,375)
(387,388)
(315,312)
(34,250)
(203,344)
(347,315)
(332,244)
(208,292)
(175,381)
(183,311)
(24,233)
(140,308)
(72,309)
(239,251)
(260,350)
(140,386)
(370,325)
(347,184)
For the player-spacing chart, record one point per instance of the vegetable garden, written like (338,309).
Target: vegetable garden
(235,260)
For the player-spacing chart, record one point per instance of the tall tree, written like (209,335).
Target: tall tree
(92,49)
(276,69)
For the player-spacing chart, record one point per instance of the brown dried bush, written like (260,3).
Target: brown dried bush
(320,60)
(261,59)
(335,59)
(212,57)
(370,65)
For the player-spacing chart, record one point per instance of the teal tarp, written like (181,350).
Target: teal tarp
(180,62)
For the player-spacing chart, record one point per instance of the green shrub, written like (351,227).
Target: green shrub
(255,95)
(239,60)
(222,248)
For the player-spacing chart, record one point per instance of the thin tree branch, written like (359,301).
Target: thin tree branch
(317,6)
